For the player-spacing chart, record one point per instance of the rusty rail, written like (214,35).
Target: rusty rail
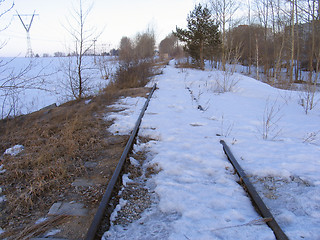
(262,208)
(91,234)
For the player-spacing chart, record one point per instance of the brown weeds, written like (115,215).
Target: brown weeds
(135,74)
(57,144)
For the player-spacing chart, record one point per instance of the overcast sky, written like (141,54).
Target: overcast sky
(117,17)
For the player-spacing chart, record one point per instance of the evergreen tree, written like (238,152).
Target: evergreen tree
(202,35)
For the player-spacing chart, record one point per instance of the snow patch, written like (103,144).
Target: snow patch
(2,170)
(40,220)
(52,232)
(114,214)
(196,183)
(126,179)
(15,150)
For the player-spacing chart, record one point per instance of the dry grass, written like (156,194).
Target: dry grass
(34,230)
(57,144)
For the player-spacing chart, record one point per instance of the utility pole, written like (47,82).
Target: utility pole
(27,28)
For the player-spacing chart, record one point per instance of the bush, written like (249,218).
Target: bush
(136,61)
(133,75)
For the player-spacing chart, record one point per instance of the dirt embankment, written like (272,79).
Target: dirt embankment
(67,160)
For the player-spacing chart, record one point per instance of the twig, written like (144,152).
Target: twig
(257,221)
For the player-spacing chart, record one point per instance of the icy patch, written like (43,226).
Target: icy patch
(52,232)
(40,220)
(2,199)
(2,170)
(1,231)
(15,150)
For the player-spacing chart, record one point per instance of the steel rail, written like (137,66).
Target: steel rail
(262,208)
(91,234)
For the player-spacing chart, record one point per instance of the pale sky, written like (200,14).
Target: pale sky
(117,17)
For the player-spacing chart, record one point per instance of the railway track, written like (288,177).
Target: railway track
(103,211)
(259,204)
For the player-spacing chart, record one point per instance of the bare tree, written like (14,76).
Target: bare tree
(126,50)
(136,59)
(170,46)
(224,11)
(145,45)
(82,36)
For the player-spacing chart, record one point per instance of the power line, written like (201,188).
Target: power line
(17,35)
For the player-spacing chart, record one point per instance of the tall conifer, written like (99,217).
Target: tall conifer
(201,36)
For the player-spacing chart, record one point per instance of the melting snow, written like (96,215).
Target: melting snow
(196,194)
(15,150)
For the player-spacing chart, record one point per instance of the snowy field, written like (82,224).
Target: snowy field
(196,193)
(39,82)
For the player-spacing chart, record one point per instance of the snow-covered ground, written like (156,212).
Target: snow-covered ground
(196,193)
(44,81)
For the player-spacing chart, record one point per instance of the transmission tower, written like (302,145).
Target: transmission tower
(27,28)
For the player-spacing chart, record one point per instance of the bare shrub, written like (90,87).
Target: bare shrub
(229,81)
(106,67)
(270,119)
(226,84)
(311,137)
(225,129)
(135,75)
(308,97)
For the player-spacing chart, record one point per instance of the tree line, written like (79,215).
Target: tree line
(267,36)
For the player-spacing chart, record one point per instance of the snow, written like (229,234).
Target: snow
(196,194)
(126,179)
(15,150)
(41,220)
(125,119)
(122,202)
(44,82)
(2,170)
(52,232)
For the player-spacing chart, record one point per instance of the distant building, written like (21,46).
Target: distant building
(114,52)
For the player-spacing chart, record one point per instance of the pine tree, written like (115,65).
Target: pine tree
(202,35)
